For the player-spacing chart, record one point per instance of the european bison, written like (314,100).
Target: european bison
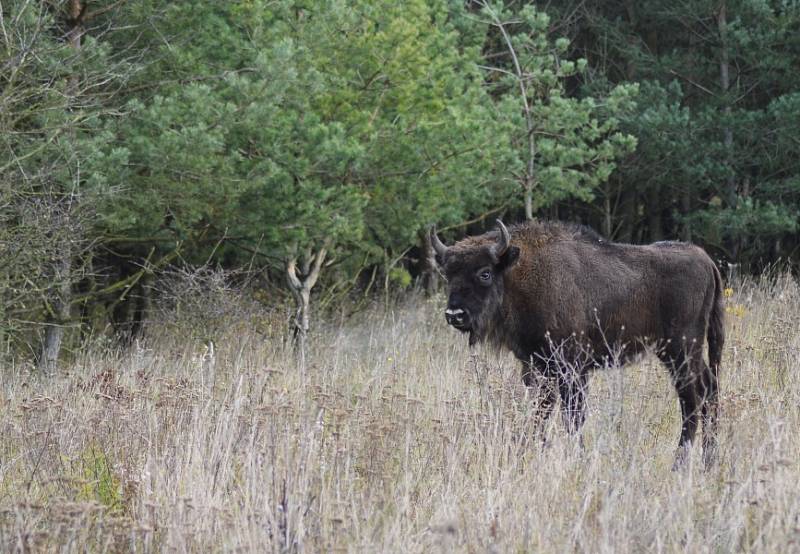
(564,301)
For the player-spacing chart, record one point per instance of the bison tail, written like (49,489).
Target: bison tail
(716,325)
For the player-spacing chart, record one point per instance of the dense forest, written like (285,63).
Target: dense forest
(307,147)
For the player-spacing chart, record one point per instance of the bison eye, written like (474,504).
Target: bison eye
(485,277)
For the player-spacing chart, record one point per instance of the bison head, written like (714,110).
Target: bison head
(474,271)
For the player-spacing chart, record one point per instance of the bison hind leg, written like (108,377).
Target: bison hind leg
(708,393)
(682,370)
(687,397)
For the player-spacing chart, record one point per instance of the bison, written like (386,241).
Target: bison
(565,301)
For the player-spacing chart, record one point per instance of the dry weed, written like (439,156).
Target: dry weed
(396,438)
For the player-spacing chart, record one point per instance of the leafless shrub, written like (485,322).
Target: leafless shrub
(44,251)
(204,302)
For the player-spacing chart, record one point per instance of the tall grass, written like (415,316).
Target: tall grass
(395,438)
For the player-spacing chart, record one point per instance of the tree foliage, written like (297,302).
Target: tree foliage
(282,136)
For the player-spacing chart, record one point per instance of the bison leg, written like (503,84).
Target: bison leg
(683,375)
(687,397)
(708,393)
(543,389)
(572,389)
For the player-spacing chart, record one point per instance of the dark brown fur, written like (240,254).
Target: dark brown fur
(573,301)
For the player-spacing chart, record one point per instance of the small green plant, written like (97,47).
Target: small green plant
(98,481)
(400,277)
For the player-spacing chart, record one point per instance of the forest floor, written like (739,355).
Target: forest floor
(395,438)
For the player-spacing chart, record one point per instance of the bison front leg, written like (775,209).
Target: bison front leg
(543,390)
(572,389)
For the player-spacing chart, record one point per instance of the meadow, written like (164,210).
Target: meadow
(395,437)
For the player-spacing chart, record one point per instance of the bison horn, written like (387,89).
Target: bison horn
(438,245)
(504,242)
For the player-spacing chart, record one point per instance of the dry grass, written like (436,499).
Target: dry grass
(396,439)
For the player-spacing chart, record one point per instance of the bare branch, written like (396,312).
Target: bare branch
(311,280)
(291,273)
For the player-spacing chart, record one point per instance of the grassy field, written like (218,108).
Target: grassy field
(396,438)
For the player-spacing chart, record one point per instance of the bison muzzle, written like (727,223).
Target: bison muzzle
(566,301)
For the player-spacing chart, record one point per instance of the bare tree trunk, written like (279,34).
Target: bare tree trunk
(302,322)
(686,209)
(725,85)
(300,283)
(60,295)
(629,207)
(428,277)
(654,214)
(554,211)
(143,306)
(529,179)
(76,14)
(633,19)
(607,215)
(731,199)
(530,176)
(59,308)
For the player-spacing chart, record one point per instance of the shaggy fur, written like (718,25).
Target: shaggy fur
(565,300)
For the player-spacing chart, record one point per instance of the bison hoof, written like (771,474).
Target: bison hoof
(709,456)
(682,457)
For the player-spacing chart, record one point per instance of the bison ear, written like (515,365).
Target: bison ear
(508,258)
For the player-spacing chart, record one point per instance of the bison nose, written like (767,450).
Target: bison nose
(456,317)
